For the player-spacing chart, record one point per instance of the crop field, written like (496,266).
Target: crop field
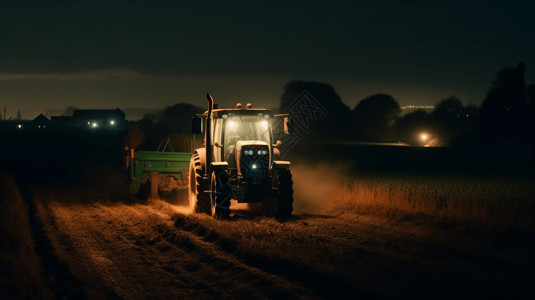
(489,199)
(493,203)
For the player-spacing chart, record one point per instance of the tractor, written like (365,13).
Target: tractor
(239,160)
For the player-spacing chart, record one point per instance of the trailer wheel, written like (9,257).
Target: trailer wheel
(199,200)
(220,195)
(284,206)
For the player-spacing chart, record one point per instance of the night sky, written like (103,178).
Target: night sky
(152,54)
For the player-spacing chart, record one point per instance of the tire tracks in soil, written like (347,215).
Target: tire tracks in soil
(136,251)
(322,282)
(56,272)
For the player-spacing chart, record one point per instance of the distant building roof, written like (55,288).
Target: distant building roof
(40,120)
(98,113)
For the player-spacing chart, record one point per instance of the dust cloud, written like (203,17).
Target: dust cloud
(315,187)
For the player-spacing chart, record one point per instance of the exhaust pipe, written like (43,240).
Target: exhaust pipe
(208,134)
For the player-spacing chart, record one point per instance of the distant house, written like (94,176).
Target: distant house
(110,119)
(41,122)
(99,118)
(10,125)
(62,123)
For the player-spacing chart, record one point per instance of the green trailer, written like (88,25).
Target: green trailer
(164,171)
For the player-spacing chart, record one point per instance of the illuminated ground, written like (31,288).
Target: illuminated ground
(156,250)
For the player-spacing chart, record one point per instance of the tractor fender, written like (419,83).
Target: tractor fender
(218,165)
(281,164)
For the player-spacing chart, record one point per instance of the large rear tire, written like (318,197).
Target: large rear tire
(284,205)
(199,201)
(220,196)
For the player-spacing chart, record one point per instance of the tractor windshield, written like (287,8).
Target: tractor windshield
(245,128)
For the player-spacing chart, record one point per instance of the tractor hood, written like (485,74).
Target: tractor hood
(253,160)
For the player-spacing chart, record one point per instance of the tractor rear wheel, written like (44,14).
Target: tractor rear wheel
(199,200)
(220,196)
(284,205)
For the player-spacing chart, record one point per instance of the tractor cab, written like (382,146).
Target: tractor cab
(237,134)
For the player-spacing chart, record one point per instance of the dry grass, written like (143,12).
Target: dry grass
(20,269)
(492,202)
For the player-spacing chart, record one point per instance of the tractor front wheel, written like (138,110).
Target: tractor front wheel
(284,205)
(220,194)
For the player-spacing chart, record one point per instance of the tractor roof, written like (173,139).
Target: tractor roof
(218,113)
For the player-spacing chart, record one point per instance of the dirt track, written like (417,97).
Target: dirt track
(154,250)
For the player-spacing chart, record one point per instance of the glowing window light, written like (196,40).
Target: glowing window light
(112,122)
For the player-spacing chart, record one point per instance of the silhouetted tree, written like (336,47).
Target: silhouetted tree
(173,122)
(334,121)
(134,138)
(530,93)
(150,117)
(19,117)
(447,118)
(177,118)
(504,113)
(450,107)
(374,115)
(69,111)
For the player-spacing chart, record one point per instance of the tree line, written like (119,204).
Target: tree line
(506,113)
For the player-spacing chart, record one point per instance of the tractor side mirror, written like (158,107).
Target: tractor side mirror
(196,125)
(286,127)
